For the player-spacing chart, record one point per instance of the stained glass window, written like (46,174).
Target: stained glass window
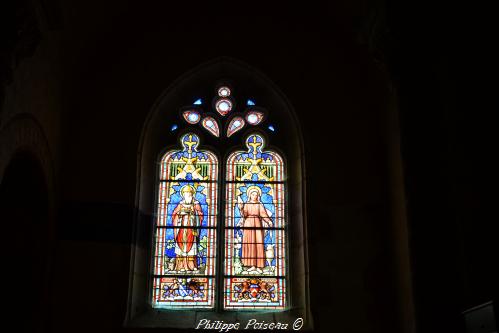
(254,117)
(235,125)
(255,242)
(211,125)
(223,106)
(252,234)
(185,228)
(223,91)
(191,116)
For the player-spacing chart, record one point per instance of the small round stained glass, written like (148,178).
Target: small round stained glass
(254,117)
(223,92)
(223,106)
(191,116)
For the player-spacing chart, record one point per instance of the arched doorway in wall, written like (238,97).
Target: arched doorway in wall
(24,212)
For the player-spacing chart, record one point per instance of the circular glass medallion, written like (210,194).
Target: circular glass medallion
(223,92)
(191,116)
(254,117)
(223,106)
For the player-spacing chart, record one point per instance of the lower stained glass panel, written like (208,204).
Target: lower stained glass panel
(178,292)
(255,293)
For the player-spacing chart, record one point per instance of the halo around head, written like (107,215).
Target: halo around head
(187,188)
(254,188)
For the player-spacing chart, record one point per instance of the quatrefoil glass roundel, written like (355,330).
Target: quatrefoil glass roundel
(223,106)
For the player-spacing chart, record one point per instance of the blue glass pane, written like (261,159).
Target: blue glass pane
(250,102)
(199,101)
(174,127)
(271,128)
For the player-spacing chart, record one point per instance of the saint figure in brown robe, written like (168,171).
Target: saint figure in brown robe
(254,216)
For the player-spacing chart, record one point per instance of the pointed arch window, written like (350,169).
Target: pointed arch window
(220,225)
(252,235)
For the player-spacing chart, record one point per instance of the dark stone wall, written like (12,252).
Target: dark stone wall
(442,66)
